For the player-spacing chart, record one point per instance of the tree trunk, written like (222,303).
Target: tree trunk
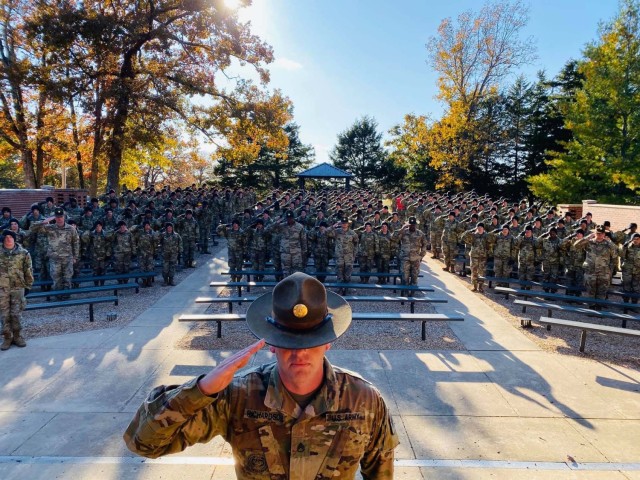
(42,99)
(27,162)
(76,143)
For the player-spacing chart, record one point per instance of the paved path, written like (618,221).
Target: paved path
(501,409)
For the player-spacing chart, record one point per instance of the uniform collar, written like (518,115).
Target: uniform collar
(326,400)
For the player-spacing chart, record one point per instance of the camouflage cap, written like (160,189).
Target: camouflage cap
(299,313)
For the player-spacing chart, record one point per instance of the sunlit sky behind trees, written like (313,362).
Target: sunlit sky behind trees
(339,61)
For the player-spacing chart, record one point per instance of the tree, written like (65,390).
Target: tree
(602,160)
(472,59)
(359,151)
(160,60)
(409,145)
(274,167)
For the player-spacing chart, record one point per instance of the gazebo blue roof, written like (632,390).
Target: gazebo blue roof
(324,170)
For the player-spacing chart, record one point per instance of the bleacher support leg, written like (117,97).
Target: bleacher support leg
(219,329)
(583,340)
(91,312)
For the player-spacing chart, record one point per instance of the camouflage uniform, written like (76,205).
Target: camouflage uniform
(504,254)
(235,245)
(320,247)
(413,247)
(146,243)
(631,268)
(189,230)
(479,244)
(123,248)
(550,249)
(205,220)
(435,232)
(367,250)
(293,246)
(99,247)
(527,257)
(386,251)
(598,265)
(39,246)
(63,250)
(17,274)
(574,261)
(346,426)
(257,243)
(171,246)
(450,243)
(346,247)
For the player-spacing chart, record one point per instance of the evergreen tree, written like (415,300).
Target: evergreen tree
(359,151)
(602,160)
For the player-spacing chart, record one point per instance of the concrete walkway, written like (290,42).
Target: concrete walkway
(501,409)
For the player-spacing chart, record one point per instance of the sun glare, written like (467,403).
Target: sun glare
(232,4)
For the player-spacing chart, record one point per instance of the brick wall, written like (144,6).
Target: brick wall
(574,208)
(20,200)
(620,216)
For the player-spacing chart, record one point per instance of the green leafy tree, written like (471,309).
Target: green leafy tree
(359,151)
(602,160)
(409,144)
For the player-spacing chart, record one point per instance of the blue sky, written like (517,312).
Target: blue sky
(340,60)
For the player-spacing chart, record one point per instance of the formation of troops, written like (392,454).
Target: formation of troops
(375,229)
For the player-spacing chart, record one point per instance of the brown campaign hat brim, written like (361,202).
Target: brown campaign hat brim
(261,308)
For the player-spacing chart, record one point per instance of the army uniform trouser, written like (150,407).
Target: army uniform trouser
(436,244)
(575,278)
(41,263)
(383,267)
(169,268)
(235,263)
(99,268)
(291,262)
(61,271)
(277,261)
(321,262)
(478,269)
(597,283)
(344,268)
(122,264)
(12,303)
(258,261)
(366,263)
(205,233)
(450,251)
(188,251)
(410,270)
(630,280)
(526,270)
(551,272)
(501,267)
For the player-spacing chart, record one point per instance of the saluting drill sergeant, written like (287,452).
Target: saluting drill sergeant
(170,247)
(15,282)
(413,247)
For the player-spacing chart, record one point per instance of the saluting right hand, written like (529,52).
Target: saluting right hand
(220,377)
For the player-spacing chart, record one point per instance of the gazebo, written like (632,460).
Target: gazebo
(324,170)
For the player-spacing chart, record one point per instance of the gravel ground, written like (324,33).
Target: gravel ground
(609,348)
(377,335)
(57,321)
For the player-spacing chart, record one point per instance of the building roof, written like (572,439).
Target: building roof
(324,170)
